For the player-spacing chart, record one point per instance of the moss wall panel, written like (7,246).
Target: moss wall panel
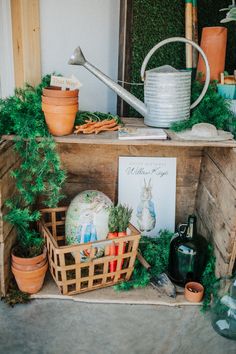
(155,20)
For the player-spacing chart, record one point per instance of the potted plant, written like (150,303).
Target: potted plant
(118,222)
(38,176)
(29,271)
(124,214)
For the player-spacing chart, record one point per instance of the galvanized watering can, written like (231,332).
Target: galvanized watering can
(166,91)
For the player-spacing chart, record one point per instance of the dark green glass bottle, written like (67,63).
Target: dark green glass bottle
(188,252)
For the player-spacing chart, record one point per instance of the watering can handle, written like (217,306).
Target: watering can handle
(184,40)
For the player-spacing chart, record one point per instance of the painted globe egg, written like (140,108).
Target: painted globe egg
(87,219)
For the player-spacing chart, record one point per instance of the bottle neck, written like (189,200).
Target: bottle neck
(192,228)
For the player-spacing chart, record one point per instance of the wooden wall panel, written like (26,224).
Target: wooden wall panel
(8,161)
(216,203)
(96,167)
(26,41)
(5,261)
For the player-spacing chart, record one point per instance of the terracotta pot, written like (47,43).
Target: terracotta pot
(213,43)
(60,119)
(30,281)
(29,267)
(193,292)
(29,262)
(60,101)
(52,91)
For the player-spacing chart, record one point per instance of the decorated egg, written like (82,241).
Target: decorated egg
(87,219)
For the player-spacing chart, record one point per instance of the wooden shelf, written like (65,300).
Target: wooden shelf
(111,138)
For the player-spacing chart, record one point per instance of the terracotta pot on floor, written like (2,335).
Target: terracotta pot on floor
(29,263)
(193,292)
(60,119)
(213,43)
(30,281)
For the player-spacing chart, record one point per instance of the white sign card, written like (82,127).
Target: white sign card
(148,185)
(65,82)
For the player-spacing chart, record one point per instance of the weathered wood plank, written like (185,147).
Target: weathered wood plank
(26,41)
(217,230)
(221,266)
(5,260)
(221,191)
(225,160)
(96,167)
(125,52)
(5,227)
(7,156)
(7,185)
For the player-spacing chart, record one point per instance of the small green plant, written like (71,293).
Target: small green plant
(213,109)
(15,296)
(123,217)
(156,252)
(112,219)
(209,279)
(119,218)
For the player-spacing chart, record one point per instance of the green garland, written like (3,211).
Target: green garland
(213,109)
(156,252)
(39,174)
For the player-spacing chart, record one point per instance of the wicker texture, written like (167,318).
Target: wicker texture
(74,275)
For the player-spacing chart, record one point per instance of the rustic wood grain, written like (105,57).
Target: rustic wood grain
(225,160)
(125,52)
(7,185)
(216,204)
(5,260)
(26,41)
(96,167)
(222,193)
(7,156)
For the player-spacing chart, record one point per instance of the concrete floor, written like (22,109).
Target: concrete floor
(66,327)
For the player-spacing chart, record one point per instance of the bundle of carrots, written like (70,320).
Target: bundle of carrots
(91,127)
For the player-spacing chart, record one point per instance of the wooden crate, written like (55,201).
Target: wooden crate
(74,275)
(8,162)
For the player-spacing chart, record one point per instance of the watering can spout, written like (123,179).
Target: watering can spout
(78,58)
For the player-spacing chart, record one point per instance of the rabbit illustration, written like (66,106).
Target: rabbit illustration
(146,216)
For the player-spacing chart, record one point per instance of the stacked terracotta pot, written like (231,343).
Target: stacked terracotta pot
(60,108)
(30,272)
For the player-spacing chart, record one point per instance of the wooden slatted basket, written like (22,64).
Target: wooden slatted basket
(73,274)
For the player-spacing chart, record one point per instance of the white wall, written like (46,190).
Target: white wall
(7,82)
(92,24)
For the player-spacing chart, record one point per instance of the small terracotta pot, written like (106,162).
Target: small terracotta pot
(213,43)
(73,108)
(30,281)
(29,261)
(60,119)
(191,295)
(60,101)
(29,267)
(52,91)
